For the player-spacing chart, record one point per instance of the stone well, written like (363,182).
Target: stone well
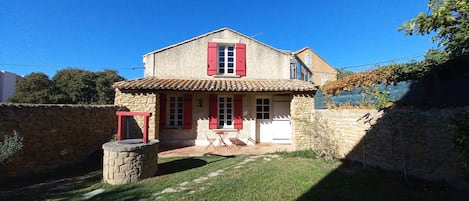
(129,160)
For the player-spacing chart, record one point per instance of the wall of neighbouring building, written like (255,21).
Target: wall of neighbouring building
(414,139)
(319,67)
(54,135)
(7,85)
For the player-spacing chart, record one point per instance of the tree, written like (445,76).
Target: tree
(34,88)
(448,19)
(341,73)
(75,86)
(68,86)
(104,81)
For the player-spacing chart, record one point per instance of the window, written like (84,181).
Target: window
(225,112)
(226,59)
(324,78)
(263,108)
(308,60)
(176,113)
(293,71)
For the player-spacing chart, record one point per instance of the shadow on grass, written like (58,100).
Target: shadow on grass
(186,164)
(351,182)
(56,184)
(179,165)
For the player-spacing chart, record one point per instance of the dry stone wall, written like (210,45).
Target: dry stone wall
(415,140)
(54,135)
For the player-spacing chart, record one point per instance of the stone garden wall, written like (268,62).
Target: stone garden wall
(415,140)
(54,135)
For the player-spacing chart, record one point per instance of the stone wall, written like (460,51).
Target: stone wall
(141,102)
(301,107)
(54,135)
(128,161)
(414,140)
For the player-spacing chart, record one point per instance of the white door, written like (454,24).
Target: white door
(264,126)
(281,122)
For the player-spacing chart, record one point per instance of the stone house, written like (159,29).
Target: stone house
(320,69)
(221,81)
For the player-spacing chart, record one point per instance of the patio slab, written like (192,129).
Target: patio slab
(257,149)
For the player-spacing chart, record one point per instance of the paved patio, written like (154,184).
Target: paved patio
(257,149)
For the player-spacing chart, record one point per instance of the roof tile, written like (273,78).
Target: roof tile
(218,85)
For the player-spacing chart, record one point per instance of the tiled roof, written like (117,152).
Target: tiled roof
(219,85)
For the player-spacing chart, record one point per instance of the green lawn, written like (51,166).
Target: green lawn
(278,176)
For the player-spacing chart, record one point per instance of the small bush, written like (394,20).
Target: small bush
(10,146)
(460,136)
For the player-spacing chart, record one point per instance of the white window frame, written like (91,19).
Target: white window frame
(176,111)
(324,78)
(308,60)
(224,116)
(225,59)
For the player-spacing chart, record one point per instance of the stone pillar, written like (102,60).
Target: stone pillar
(302,106)
(129,161)
(136,101)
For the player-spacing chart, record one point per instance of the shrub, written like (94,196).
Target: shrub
(460,136)
(10,146)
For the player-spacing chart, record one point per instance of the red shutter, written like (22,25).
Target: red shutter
(212,58)
(238,112)
(162,110)
(241,59)
(212,113)
(187,112)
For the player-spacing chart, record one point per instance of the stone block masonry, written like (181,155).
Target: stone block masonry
(129,161)
(54,135)
(415,140)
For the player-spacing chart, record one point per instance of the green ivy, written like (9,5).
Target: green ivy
(460,136)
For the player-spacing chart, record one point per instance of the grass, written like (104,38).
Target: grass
(280,176)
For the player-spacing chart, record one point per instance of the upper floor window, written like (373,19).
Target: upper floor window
(226,59)
(324,79)
(308,60)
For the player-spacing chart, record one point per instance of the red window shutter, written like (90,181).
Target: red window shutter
(238,112)
(241,59)
(187,112)
(212,58)
(162,110)
(213,102)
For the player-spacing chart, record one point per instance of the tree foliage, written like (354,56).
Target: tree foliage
(70,86)
(34,88)
(448,19)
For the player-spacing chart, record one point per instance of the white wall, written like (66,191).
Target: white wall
(7,85)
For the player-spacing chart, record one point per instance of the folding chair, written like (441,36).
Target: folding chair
(234,141)
(211,139)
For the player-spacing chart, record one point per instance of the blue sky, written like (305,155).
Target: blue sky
(48,35)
